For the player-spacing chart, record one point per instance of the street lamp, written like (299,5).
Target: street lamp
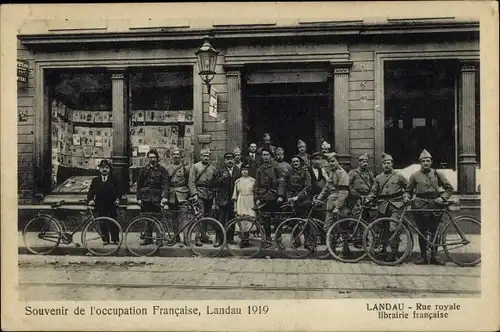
(207,59)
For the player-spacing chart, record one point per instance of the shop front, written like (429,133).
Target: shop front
(364,88)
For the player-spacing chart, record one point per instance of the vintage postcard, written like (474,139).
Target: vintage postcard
(274,166)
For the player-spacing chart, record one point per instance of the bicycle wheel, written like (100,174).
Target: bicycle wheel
(387,241)
(296,238)
(249,237)
(143,236)
(94,234)
(42,235)
(206,230)
(345,240)
(462,240)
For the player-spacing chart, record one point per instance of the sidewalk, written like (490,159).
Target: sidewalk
(176,251)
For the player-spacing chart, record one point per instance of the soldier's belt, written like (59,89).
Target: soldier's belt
(427,195)
(398,194)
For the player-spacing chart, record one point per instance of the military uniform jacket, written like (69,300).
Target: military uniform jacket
(224,185)
(306,158)
(336,188)
(152,184)
(178,182)
(104,194)
(269,183)
(389,187)
(269,146)
(298,183)
(426,185)
(360,182)
(201,180)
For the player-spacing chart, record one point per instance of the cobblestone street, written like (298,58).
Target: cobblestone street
(166,278)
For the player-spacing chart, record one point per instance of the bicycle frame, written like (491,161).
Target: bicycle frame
(68,236)
(434,243)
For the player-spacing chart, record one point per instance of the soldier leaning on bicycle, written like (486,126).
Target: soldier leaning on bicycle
(159,186)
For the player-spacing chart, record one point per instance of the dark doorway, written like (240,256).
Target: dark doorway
(420,111)
(289,112)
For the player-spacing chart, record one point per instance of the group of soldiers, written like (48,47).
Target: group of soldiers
(306,180)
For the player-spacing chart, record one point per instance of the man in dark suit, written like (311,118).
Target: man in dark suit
(224,179)
(104,193)
(253,159)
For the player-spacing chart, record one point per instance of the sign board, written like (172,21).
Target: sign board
(22,71)
(214,97)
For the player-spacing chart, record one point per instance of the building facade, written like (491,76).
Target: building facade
(396,86)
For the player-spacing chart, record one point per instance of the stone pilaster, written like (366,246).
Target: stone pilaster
(234,109)
(341,114)
(467,158)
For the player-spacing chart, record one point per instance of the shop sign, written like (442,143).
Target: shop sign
(22,71)
(204,138)
(214,97)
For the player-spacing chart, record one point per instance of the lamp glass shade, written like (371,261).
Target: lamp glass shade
(207,59)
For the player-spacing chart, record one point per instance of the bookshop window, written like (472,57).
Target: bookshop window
(160,114)
(420,111)
(81,126)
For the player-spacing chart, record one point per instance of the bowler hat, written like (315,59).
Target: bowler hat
(104,163)
(228,155)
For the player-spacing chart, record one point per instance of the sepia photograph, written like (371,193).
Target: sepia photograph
(199,161)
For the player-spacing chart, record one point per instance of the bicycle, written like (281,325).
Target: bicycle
(46,227)
(306,230)
(144,226)
(450,235)
(347,232)
(250,238)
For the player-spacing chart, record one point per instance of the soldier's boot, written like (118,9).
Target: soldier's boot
(434,259)
(422,260)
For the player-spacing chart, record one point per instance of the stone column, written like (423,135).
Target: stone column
(234,109)
(467,129)
(341,114)
(120,125)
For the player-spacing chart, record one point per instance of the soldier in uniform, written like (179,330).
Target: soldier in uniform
(325,147)
(360,182)
(237,157)
(425,184)
(200,185)
(280,156)
(224,180)
(336,190)
(298,186)
(178,183)
(389,187)
(302,153)
(267,145)
(104,193)
(253,159)
(269,189)
(152,189)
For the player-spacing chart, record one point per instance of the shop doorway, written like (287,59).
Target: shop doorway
(289,112)
(420,111)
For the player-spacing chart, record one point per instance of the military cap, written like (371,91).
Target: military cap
(175,149)
(153,151)
(330,156)
(299,158)
(280,149)
(386,157)
(228,155)
(265,148)
(301,143)
(363,157)
(237,150)
(204,151)
(104,163)
(424,154)
(325,145)
(316,155)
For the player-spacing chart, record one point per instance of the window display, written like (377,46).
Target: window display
(161,115)
(81,128)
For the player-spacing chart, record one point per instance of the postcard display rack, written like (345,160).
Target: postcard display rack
(163,130)
(80,140)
